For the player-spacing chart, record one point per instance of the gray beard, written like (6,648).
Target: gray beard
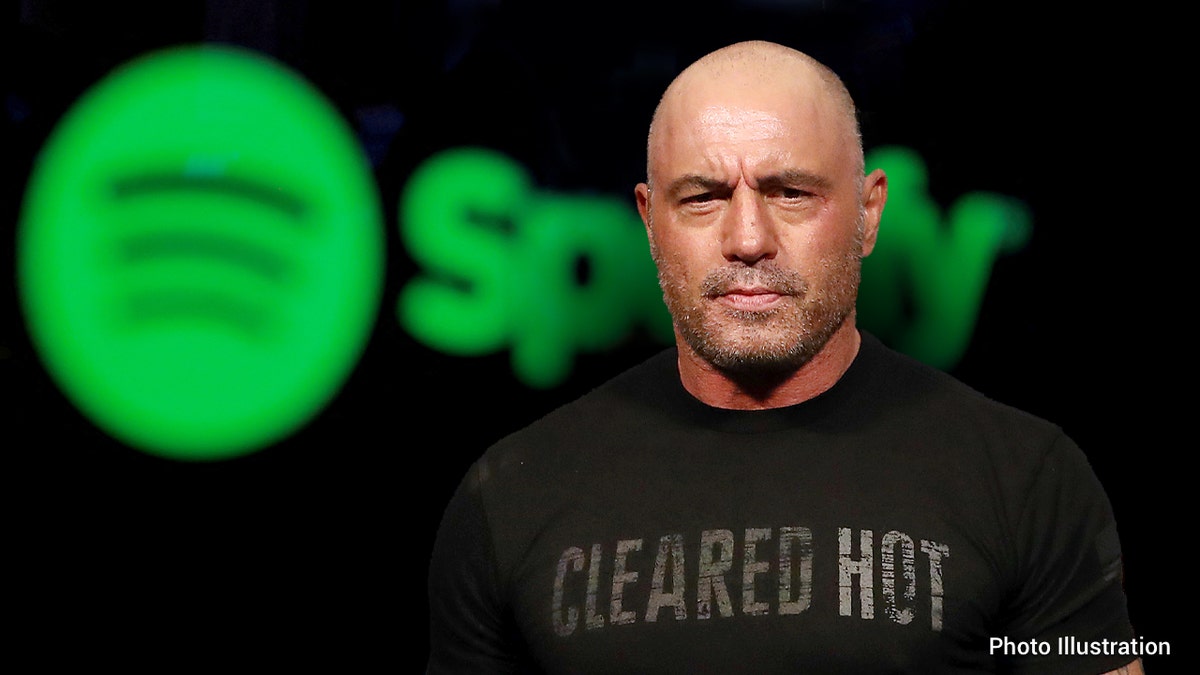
(770,358)
(774,342)
(764,343)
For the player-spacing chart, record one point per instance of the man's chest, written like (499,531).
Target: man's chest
(825,570)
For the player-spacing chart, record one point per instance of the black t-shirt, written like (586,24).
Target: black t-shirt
(899,522)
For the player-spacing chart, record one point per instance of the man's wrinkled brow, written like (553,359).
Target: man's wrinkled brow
(695,182)
(796,178)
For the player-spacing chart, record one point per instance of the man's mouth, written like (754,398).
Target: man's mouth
(762,289)
(752,299)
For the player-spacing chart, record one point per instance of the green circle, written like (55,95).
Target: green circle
(200,253)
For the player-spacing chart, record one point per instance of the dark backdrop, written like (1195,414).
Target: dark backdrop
(317,547)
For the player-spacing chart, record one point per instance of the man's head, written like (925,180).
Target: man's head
(756,206)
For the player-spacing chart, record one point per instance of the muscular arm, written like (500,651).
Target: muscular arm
(467,617)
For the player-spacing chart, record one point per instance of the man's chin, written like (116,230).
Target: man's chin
(760,364)
(756,350)
(754,355)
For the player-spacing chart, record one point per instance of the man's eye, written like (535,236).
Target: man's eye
(697,199)
(792,193)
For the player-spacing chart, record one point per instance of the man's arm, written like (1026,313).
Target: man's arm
(1070,571)
(467,618)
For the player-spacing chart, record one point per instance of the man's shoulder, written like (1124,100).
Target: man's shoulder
(904,377)
(940,413)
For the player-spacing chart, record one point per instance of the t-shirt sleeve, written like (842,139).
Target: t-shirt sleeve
(1069,582)
(468,628)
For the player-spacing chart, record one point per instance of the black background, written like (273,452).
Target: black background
(317,547)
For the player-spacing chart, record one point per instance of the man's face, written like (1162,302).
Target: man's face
(756,223)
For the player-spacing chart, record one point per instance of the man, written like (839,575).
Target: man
(778,493)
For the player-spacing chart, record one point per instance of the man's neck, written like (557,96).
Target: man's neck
(721,389)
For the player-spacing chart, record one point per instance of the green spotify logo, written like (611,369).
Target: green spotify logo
(200,253)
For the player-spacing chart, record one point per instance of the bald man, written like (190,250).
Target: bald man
(779,492)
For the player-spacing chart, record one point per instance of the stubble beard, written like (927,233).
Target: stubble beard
(771,342)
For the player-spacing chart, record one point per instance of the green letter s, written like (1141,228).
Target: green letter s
(452,221)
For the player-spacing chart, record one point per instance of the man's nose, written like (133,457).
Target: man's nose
(748,233)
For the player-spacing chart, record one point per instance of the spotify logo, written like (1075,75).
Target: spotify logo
(200,253)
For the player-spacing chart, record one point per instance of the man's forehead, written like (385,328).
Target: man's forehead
(716,138)
(747,123)
(745,111)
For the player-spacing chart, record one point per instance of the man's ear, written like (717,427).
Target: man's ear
(874,197)
(641,193)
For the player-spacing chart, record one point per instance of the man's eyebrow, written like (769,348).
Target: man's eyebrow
(695,181)
(798,178)
(795,178)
